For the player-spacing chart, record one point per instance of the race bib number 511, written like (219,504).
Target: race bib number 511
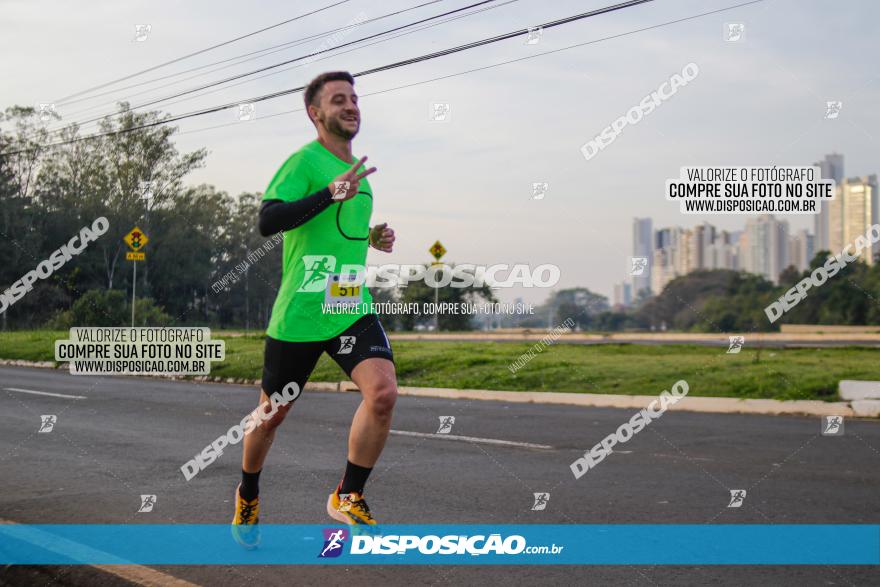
(343,291)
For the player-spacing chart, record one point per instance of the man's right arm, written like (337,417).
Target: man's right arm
(279,216)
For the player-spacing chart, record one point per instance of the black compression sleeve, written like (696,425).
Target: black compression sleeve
(277,215)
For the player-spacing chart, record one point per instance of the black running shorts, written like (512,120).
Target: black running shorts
(286,362)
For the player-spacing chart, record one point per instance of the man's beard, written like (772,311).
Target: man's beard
(334,125)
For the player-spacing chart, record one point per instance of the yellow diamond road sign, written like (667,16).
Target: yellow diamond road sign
(136,239)
(437,250)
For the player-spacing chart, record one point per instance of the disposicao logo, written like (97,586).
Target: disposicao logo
(334,541)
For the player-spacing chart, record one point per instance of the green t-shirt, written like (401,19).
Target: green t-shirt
(316,251)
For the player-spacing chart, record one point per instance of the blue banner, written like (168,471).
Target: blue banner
(625,544)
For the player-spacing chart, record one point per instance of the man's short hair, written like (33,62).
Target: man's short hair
(316,85)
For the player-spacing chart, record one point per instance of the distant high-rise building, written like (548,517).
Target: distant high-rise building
(697,247)
(684,260)
(853,210)
(666,243)
(642,246)
(801,249)
(721,253)
(764,246)
(677,252)
(622,295)
(710,236)
(663,238)
(832,168)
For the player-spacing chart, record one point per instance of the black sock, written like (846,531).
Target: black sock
(250,485)
(354,479)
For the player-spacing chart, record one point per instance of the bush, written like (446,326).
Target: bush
(99,307)
(147,313)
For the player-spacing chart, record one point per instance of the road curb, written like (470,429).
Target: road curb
(717,405)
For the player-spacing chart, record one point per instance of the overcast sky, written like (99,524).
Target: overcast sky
(468,181)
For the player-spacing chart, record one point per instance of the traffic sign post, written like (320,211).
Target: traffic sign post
(136,241)
(437,251)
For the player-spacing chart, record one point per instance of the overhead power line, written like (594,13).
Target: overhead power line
(246,56)
(387,67)
(336,54)
(493,65)
(201,51)
(302,57)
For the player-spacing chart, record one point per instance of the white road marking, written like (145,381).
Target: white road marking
(45,393)
(137,574)
(474,439)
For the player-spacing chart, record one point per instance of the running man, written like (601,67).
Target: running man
(322,201)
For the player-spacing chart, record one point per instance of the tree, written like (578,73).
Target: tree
(578,303)
(711,301)
(421,293)
(842,299)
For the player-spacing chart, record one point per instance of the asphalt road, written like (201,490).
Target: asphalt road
(129,436)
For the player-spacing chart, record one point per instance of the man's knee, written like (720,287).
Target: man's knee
(276,420)
(269,423)
(381,398)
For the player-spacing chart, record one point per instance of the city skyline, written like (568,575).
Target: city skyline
(766,245)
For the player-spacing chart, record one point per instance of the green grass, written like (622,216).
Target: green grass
(613,368)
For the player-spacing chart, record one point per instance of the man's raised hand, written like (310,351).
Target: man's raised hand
(345,187)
